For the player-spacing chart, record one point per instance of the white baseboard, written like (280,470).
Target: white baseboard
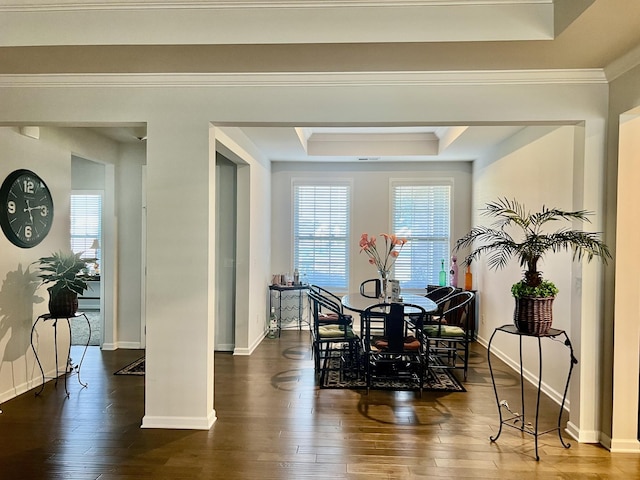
(17,390)
(631,445)
(251,348)
(36,382)
(583,436)
(189,423)
(123,345)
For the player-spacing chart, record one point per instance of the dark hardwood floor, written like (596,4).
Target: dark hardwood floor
(274,423)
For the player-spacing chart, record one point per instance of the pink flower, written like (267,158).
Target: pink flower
(385,260)
(363,241)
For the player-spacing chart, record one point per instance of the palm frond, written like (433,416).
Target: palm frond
(582,244)
(507,212)
(554,214)
(483,235)
(534,243)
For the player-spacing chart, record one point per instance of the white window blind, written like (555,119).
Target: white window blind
(86,220)
(421,214)
(321,233)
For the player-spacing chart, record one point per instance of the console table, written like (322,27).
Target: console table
(288,291)
(517,420)
(67,368)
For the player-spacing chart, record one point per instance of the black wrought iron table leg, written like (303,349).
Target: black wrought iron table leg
(573,360)
(495,390)
(524,427)
(35,353)
(84,352)
(299,310)
(55,346)
(280,314)
(535,436)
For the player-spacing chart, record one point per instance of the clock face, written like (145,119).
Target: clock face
(26,208)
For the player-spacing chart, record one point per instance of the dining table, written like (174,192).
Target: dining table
(356,302)
(398,368)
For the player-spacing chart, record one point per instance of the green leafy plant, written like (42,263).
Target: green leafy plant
(62,269)
(543,290)
(500,246)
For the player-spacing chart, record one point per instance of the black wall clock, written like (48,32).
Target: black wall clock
(26,208)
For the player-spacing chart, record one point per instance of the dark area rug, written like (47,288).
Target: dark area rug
(134,368)
(438,380)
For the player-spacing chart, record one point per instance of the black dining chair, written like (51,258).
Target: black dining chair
(438,294)
(394,350)
(370,288)
(335,345)
(449,333)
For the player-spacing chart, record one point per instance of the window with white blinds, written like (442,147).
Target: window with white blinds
(421,214)
(321,233)
(86,221)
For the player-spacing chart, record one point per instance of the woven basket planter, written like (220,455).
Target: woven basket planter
(533,315)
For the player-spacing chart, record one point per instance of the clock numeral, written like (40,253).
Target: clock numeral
(43,211)
(11,207)
(27,231)
(28,186)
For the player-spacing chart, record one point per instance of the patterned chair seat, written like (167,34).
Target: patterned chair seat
(443,331)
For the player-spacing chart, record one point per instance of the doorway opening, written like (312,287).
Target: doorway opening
(86,206)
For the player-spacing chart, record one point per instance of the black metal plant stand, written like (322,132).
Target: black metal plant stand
(517,420)
(67,367)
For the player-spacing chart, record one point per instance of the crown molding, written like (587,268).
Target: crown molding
(623,64)
(306,79)
(48,5)
(222,22)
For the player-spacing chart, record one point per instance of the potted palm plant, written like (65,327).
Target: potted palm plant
(533,294)
(62,269)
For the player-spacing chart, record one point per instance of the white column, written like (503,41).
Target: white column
(180,274)
(626,368)
(588,293)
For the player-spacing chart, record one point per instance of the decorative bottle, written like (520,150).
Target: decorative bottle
(442,281)
(468,279)
(296,277)
(273,323)
(453,273)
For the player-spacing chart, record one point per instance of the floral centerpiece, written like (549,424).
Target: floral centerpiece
(382,259)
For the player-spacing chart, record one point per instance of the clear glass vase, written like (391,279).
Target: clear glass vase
(385,275)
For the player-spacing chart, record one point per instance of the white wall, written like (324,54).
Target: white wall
(226,233)
(371,203)
(129,221)
(178,110)
(536,168)
(253,247)
(50,157)
(87,175)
